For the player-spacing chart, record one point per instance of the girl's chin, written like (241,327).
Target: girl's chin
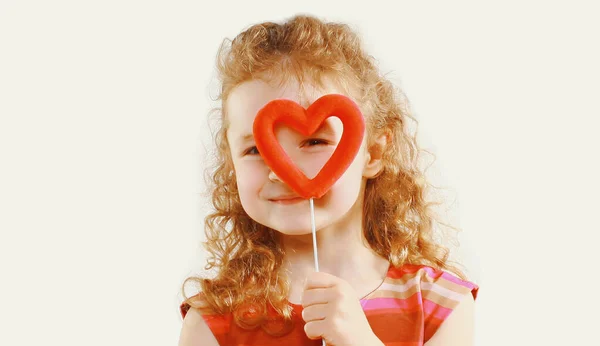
(291,224)
(294,231)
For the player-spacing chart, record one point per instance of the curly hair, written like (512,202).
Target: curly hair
(398,220)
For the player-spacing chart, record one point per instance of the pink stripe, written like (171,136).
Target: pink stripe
(412,303)
(431,309)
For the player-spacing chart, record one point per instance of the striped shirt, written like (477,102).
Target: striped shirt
(405,310)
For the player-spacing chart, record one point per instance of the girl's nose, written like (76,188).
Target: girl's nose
(273,176)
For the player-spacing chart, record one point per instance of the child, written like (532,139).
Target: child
(383,280)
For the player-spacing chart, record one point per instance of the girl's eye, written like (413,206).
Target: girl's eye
(315,141)
(310,142)
(251,151)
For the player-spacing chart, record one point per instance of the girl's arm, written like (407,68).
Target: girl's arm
(195,331)
(458,328)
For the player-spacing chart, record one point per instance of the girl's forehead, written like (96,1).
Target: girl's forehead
(256,93)
(246,99)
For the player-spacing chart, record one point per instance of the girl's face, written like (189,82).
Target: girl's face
(260,190)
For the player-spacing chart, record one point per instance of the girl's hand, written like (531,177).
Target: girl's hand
(332,311)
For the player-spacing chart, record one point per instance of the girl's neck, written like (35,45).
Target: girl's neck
(344,253)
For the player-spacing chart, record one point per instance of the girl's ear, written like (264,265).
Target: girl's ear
(374,163)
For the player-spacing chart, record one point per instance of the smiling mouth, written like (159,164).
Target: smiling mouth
(287,201)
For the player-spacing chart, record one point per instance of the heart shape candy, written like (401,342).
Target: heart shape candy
(306,122)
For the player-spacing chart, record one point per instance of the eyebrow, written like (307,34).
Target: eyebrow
(246,138)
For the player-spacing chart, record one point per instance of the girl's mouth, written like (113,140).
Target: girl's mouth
(287,201)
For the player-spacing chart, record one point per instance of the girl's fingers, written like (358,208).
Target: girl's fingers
(314,296)
(320,280)
(315,329)
(314,312)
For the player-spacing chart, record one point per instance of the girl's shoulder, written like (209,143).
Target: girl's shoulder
(420,296)
(218,324)
(197,301)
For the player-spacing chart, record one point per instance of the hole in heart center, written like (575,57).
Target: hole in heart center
(311,152)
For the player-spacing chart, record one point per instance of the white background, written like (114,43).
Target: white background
(103,118)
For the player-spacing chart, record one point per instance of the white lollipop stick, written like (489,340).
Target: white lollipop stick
(314,234)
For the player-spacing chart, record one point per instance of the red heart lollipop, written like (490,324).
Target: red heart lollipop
(307,122)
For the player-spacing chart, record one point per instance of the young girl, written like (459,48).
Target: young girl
(383,280)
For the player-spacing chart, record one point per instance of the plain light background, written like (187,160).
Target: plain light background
(103,125)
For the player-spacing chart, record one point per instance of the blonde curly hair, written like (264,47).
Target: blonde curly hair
(398,221)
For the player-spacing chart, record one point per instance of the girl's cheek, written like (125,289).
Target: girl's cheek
(247,174)
(313,163)
(258,174)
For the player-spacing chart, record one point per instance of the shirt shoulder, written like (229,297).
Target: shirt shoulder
(219,324)
(440,293)
(415,299)
(432,281)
